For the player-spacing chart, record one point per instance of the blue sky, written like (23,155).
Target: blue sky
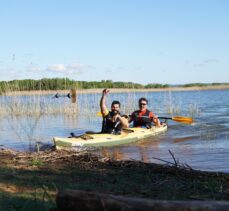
(143,41)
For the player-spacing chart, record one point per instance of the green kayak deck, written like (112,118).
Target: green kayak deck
(127,136)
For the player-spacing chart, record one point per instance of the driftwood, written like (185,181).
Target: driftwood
(91,201)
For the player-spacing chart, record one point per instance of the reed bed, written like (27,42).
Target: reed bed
(88,104)
(35,106)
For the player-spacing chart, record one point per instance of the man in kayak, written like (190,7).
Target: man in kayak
(113,121)
(143,117)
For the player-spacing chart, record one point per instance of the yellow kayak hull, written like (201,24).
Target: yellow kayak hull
(103,140)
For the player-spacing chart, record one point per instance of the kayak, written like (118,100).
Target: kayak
(127,136)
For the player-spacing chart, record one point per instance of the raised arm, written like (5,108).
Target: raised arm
(103,106)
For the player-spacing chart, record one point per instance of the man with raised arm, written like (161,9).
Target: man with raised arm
(113,121)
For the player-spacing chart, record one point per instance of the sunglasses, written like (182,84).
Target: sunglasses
(142,104)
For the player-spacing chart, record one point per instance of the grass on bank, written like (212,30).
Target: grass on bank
(31,180)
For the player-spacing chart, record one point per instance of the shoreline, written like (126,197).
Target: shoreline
(118,90)
(34,179)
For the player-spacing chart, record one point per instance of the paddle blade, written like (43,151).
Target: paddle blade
(183,119)
(73,95)
(99,113)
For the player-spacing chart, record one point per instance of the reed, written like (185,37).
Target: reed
(35,105)
(194,110)
(88,104)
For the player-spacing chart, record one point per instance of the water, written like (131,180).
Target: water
(203,145)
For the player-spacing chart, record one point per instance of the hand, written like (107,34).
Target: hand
(154,119)
(118,117)
(105,91)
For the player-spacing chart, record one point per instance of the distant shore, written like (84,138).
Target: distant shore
(116,90)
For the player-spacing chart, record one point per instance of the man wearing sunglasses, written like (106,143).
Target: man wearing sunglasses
(113,121)
(143,117)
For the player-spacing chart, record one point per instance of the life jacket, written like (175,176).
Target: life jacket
(109,126)
(142,121)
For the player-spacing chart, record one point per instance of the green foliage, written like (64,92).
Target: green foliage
(204,84)
(35,162)
(218,84)
(66,83)
(152,86)
(195,84)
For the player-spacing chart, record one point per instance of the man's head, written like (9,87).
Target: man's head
(115,106)
(142,102)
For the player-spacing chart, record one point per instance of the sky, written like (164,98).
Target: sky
(141,41)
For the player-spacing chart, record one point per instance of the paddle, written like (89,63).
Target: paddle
(71,95)
(99,113)
(182,119)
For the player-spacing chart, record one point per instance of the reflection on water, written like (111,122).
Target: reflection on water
(203,145)
(184,139)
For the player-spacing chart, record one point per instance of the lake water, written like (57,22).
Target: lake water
(203,145)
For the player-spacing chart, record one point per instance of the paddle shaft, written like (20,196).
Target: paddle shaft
(161,117)
(186,120)
(181,119)
(156,117)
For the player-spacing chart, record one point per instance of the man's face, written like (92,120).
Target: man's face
(143,105)
(115,108)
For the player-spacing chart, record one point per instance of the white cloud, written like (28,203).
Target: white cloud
(10,73)
(8,70)
(211,61)
(33,68)
(199,65)
(57,68)
(76,68)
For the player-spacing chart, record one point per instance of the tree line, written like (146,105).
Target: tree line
(66,83)
(204,84)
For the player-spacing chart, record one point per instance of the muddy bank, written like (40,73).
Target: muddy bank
(34,179)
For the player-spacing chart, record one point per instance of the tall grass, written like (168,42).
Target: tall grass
(88,104)
(24,115)
(35,105)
